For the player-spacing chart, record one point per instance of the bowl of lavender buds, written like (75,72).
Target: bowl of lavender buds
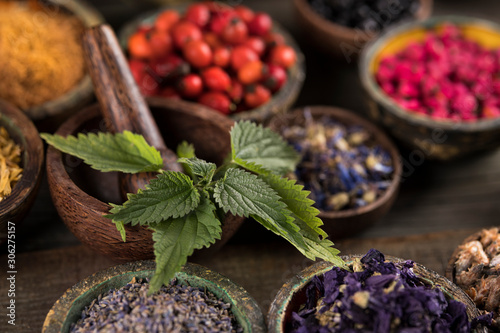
(375,294)
(343,28)
(474,267)
(349,165)
(117,300)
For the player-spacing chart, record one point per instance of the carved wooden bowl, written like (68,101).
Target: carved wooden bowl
(343,223)
(81,194)
(480,273)
(20,128)
(279,103)
(69,306)
(432,139)
(292,295)
(337,39)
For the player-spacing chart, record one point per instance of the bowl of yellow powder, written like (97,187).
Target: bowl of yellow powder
(41,58)
(21,159)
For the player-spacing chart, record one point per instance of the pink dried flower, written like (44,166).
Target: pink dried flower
(409,104)
(445,76)
(388,88)
(429,85)
(440,113)
(385,73)
(491,112)
(408,89)
(465,104)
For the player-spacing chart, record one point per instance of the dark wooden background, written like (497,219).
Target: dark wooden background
(439,204)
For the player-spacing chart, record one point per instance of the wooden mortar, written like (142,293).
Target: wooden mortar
(81,194)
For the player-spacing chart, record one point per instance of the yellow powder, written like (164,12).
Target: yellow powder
(41,56)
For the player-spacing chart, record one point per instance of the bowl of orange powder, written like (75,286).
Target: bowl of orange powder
(42,62)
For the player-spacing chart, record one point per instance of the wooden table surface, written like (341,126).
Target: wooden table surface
(439,204)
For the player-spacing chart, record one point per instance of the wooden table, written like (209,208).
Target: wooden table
(439,204)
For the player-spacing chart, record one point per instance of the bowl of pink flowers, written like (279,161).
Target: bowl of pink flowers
(435,85)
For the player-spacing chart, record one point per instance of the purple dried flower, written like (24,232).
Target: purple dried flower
(381,297)
(341,165)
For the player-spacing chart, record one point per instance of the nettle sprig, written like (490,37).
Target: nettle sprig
(186,210)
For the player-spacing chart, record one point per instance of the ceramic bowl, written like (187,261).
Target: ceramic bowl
(344,223)
(432,139)
(292,295)
(337,39)
(279,103)
(70,305)
(82,93)
(81,194)
(20,128)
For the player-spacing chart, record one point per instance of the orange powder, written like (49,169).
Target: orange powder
(41,56)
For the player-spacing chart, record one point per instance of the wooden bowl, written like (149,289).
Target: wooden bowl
(433,139)
(344,223)
(451,269)
(279,103)
(82,93)
(292,294)
(81,194)
(69,306)
(337,39)
(20,128)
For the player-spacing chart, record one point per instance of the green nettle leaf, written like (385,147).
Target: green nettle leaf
(200,168)
(120,226)
(170,195)
(125,152)
(254,145)
(244,194)
(297,201)
(185,210)
(185,150)
(305,217)
(176,239)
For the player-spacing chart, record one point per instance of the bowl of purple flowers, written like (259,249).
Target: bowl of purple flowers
(350,166)
(376,294)
(118,300)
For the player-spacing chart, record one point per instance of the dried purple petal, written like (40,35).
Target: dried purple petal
(379,296)
(341,165)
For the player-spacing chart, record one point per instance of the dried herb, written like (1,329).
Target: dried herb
(477,271)
(368,15)
(174,308)
(445,76)
(341,165)
(183,210)
(10,159)
(378,296)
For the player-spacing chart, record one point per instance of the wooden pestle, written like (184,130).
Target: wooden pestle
(122,105)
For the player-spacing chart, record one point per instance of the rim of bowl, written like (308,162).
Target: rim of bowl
(368,81)
(283,99)
(82,92)
(55,163)
(14,120)
(341,115)
(344,32)
(244,307)
(299,281)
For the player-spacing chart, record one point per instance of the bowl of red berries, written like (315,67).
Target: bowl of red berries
(435,85)
(231,59)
